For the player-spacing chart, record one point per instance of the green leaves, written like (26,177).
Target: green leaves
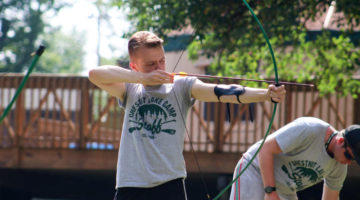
(64,53)
(20,25)
(328,61)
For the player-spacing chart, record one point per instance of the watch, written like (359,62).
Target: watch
(269,189)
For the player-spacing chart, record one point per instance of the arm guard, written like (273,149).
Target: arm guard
(236,90)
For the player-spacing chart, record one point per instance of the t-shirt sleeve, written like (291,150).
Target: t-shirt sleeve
(183,86)
(295,137)
(122,104)
(337,177)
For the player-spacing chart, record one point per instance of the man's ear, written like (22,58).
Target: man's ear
(133,66)
(340,140)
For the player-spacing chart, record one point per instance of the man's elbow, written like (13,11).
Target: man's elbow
(94,75)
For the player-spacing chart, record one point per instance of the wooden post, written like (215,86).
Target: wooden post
(356,110)
(85,113)
(288,104)
(19,121)
(219,121)
(19,114)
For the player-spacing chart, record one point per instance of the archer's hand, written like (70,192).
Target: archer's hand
(276,94)
(156,77)
(272,196)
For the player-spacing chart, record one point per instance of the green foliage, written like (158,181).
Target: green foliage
(328,61)
(20,25)
(225,31)
(64,53)
(109,61)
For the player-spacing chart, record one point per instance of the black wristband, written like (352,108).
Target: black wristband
(269,189)
(273,101)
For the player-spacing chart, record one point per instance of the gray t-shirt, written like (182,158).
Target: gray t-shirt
(304,161)
(151,145)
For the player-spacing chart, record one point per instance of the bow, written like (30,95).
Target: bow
(37,54)
(271,120)
(275,104)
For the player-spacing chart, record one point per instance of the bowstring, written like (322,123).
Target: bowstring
(186,129)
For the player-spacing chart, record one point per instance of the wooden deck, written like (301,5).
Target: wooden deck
(64,122)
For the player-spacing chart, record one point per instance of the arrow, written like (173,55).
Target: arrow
(240,79)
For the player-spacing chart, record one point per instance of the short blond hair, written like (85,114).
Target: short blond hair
(143,39)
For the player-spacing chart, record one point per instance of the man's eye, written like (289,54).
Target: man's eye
(150,64)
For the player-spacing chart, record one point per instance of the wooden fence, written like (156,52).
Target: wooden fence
(69,112)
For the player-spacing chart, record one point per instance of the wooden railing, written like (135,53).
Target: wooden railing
(69,112)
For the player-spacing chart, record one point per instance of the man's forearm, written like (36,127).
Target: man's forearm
(253,95)
(329,194)
(228,93)
(266,162)
(110,74)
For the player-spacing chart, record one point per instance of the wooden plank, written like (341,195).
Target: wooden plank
(315,104)
(7,125)
(106,160)
(105,111)
(234,121)
(356,115)
(288,104)
(36,115)
(339,118)
(202,122)
(9,158)
(63,111)
(85,112)
(267,114)
(59,159)
(219,125)
(211,162)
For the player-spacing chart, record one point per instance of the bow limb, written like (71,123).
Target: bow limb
(275,104)
(36,55)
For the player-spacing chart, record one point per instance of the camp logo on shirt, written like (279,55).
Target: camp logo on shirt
(304,173)
(150,115)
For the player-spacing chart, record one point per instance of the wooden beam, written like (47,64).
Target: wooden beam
(211,162)
(106,160)
(59,159)
(202,122)
(9,158)
(356,107)
(337,113)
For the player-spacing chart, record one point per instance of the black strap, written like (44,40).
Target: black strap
(329,139)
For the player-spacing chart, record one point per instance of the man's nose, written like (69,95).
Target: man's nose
(159,65)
